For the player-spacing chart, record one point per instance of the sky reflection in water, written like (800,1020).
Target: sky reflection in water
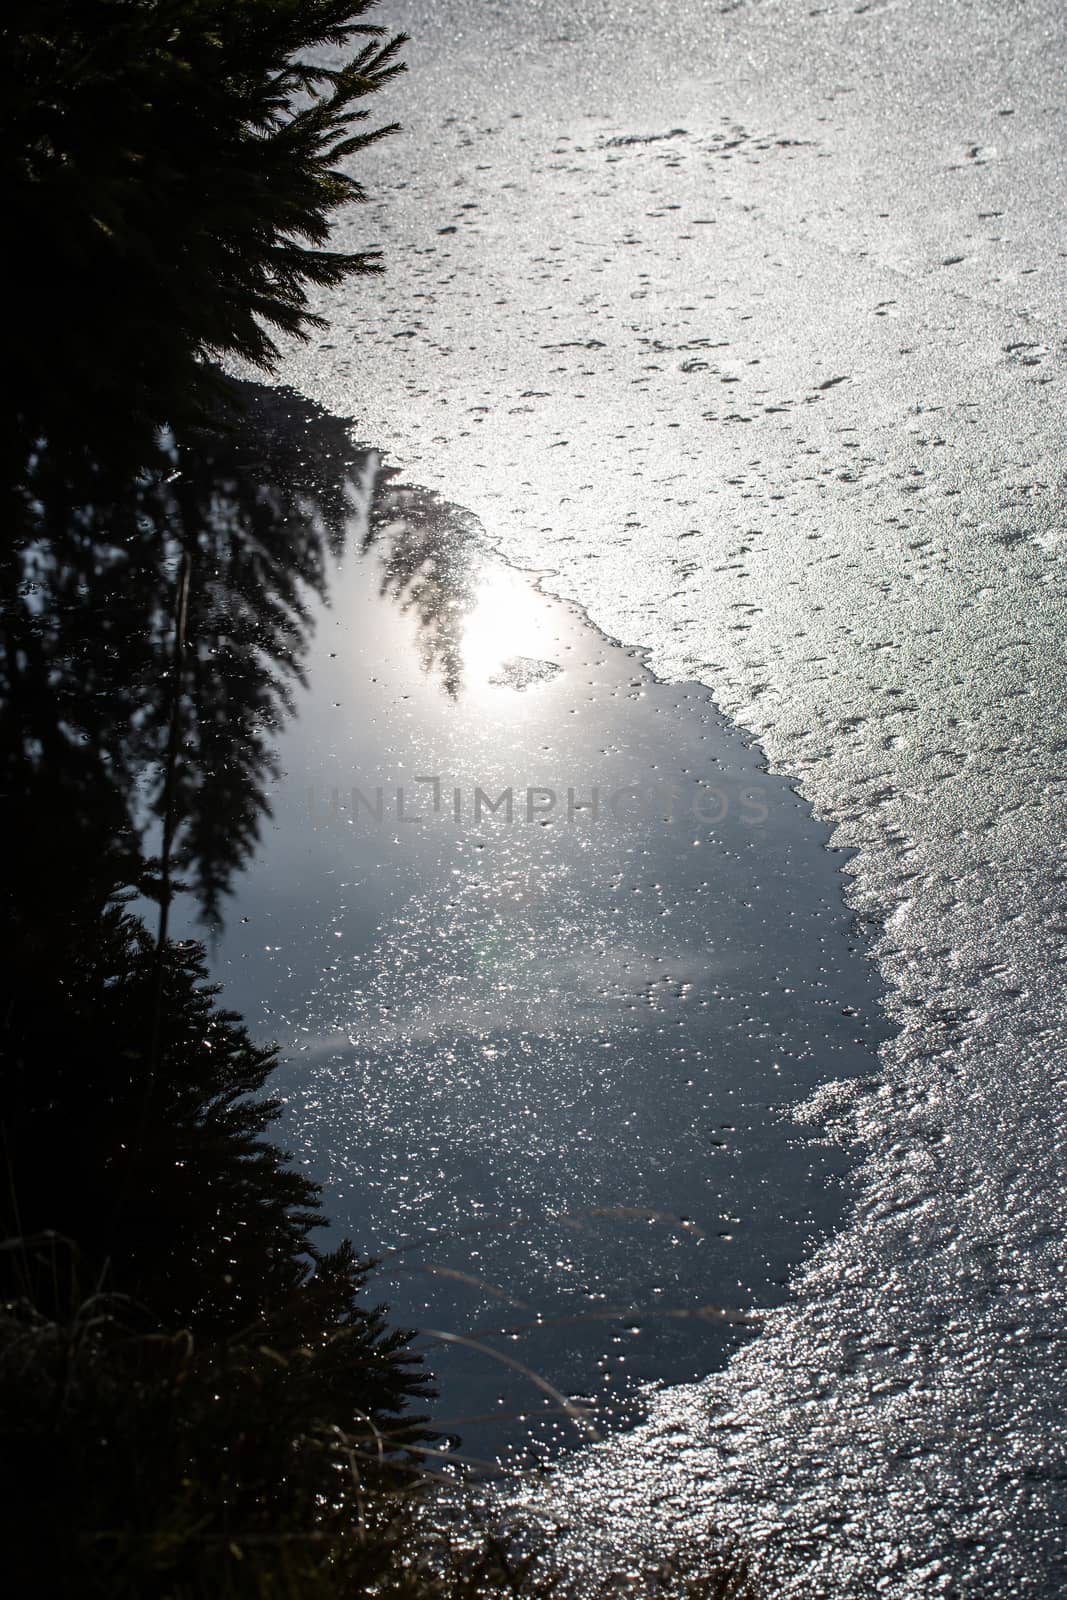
(557,1051)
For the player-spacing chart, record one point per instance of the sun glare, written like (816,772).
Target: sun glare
(508,623)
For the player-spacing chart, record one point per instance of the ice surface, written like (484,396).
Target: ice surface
(744,321)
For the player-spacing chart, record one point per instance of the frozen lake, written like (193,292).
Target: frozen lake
(744,323)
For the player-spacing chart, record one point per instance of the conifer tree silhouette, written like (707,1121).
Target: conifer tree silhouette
(169,171)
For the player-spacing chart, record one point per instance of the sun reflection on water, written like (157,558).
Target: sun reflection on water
(507,635)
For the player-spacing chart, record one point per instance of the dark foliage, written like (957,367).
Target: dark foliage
(141,1462)
(182,1370)
(158,1169)
(169,171)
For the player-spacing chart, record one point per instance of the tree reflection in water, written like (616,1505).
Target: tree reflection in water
(260,508)
(430,563)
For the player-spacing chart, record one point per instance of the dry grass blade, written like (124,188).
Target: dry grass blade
(714,1314)
(435,1270)
(644,1214)
(576,1413)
